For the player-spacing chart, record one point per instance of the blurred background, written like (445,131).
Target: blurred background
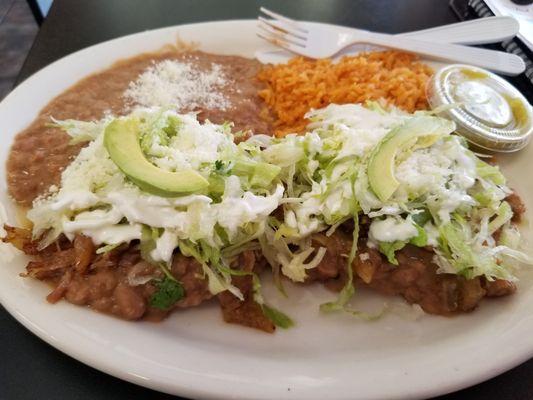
(18,28)
(19,23)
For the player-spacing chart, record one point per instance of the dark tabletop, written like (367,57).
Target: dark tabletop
(31,369)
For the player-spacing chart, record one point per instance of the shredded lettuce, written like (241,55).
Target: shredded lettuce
(148,243)
(107,248)
(294,266)
(209,258)
(458,250)
(421,239)
(489,172)
(274,194)
(389,249)
(277,317)
(348,289)
(80,131)
(503,215)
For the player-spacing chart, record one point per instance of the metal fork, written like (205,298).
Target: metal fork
(322,41)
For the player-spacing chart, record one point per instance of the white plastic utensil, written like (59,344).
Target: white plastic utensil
(477,31)
(321,42)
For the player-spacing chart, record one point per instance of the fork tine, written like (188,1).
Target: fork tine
(294,24)
(280,43)
(280,38)
(283,27)
(281,35)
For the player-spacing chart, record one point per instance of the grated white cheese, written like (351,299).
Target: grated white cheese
(180,84)
(445,171)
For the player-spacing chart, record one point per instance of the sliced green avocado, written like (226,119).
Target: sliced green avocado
(417,132)
(121,140)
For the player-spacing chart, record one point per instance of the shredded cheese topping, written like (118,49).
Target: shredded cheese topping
(180,84)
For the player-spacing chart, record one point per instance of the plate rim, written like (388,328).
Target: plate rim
(204,391)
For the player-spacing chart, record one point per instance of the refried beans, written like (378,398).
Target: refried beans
(40,152)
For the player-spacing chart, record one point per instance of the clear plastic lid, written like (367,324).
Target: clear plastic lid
(489,111)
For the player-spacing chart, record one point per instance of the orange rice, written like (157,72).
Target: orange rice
(302,84)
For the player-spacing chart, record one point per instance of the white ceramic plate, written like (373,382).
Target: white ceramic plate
(195,354)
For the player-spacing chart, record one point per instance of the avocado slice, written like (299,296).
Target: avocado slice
(121,140)
(417,132)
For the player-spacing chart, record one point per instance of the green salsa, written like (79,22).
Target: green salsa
(518,109)
(471,74)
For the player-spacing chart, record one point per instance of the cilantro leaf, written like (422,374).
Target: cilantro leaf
(219,165)
(169,291)
(222,167)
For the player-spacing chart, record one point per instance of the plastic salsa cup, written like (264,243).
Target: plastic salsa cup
(489,112)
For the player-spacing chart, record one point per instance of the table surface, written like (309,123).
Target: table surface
(32,369)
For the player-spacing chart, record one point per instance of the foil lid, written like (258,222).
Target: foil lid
(489,111)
